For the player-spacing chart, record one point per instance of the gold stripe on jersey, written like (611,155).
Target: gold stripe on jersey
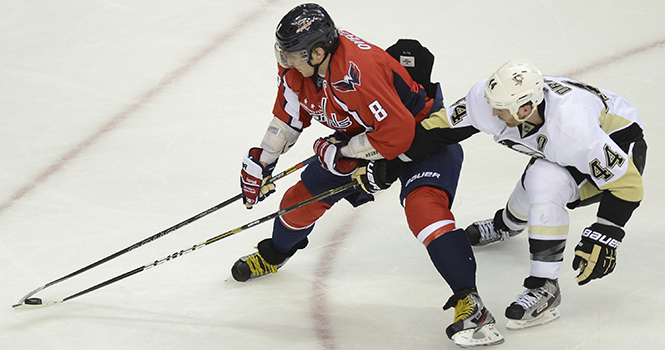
(611,122)
(588,190)
(561,231)
(436,120)
(629,186)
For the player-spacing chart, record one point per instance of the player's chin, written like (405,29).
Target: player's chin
(305,74)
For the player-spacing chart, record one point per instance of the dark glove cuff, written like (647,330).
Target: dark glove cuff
(614,209)
(379,170)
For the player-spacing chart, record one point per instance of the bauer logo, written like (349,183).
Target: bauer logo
(601,238)
(425,174)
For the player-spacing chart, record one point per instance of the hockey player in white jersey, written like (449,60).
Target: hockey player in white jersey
(586,146)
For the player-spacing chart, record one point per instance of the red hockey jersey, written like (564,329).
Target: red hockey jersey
(363,90)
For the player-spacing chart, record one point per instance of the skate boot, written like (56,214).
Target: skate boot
(265,261)
(536,306)
(484,232)
(473,324)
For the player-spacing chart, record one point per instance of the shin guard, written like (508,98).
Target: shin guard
(304,217)
(453,257)
(291,228)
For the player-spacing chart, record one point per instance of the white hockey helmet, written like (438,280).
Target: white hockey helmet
(514,84)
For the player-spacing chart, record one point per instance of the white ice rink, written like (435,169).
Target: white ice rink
(121,118)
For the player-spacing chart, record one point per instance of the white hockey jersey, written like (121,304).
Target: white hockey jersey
(589,131)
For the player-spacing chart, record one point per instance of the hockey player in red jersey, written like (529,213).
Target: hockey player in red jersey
(372,104)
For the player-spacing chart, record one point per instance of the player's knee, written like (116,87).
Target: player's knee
(302,217)
(548,221)
(547,182)
(427,213)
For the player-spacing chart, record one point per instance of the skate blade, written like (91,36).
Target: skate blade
(547,317)
(483,336)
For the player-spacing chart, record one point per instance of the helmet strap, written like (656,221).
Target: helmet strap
(522,120)
(316,66)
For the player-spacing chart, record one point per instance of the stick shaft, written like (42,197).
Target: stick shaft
(164,232)
(211,240)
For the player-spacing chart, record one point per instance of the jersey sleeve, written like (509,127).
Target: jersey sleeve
(440,129)
(287,106)
(606,164)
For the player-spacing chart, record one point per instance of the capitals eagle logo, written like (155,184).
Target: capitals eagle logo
(350,80)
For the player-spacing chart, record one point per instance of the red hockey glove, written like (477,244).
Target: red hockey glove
(595,255)
(253,178)
(331,159)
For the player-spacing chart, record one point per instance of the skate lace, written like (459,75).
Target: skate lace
(530,297)
(464,308)
(488,234)
(258,266)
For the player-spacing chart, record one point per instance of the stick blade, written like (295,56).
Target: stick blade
(34,303)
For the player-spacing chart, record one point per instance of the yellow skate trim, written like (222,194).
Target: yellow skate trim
(463,309)
(259,266)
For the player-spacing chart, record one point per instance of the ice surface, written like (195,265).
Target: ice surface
(122,118)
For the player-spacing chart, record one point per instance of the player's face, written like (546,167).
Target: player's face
(505,117)
(290,59)
(305,69)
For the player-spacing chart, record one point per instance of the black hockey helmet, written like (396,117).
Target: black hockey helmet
(304,27)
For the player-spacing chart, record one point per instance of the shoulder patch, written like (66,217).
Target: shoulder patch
(350,80)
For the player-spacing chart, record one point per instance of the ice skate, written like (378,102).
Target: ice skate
(253,266)
(484,232)
(265,261)
(473,324)
(536,306)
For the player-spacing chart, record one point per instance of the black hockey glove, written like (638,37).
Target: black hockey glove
(595,255)
(375,175)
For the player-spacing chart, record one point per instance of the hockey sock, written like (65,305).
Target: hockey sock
(293,227)
(548,230)
(510,221)
(452,256)
(427,213)
(301,218)
(274,257)
(546,257)
(285,239)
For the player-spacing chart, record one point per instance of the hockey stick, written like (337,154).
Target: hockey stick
(37,303)
(162,233)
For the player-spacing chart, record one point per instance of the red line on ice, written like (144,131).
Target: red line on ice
(136,105)
(322,323)
(616,58)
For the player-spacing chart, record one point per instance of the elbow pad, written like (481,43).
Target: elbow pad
(278,140)
(360,147)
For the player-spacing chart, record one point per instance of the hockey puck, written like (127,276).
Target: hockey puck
(33,301)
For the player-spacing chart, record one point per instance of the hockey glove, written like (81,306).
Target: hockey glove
(328,150)
(595,255)
(374,176)
(253,178)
